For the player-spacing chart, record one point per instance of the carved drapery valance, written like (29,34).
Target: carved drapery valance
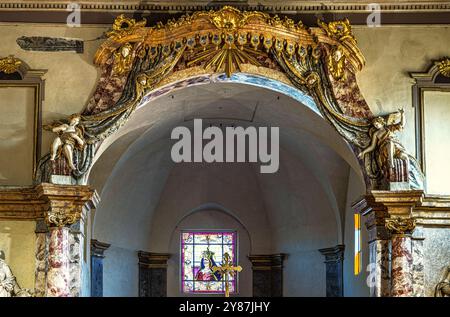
(320,61)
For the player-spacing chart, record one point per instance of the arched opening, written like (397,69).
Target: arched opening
(147,199)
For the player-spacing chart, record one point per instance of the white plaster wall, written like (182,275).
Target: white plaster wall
(120,273)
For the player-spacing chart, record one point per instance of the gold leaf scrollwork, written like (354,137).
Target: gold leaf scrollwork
(123,59)
(10,64)
(444,67)
(336,63)
(400,225)
(125,26)
(61,217)
(339,30)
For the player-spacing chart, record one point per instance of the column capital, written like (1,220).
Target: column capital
(400,225)
(333,254)
(152,259)
(98,248)
(64,203)
(379,205)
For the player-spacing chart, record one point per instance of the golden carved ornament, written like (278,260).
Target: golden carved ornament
(339,30)
(233,33)
(10,64)
(123,59)
(124,31)
(444,67)
(125,26)
(400,225)
(61,217)
(336,63)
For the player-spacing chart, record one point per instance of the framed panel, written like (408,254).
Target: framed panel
(429,91)
(21,97)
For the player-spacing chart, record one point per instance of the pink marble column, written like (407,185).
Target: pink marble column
(401,272)
(58,275)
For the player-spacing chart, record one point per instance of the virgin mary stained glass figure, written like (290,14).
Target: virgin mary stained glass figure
(205,272)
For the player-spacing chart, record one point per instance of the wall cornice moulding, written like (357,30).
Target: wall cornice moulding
(103,12)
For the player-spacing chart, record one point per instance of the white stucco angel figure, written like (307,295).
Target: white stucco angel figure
(69,137)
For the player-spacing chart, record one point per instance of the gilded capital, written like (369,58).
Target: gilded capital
(64,203)
(400,225)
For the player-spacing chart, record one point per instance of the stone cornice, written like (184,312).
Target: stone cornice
(153,260)
(104,12)
(98,248)
(284,7)
(59,205)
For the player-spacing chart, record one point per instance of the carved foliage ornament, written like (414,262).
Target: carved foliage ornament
(400,225)
(444,67)
(9,64)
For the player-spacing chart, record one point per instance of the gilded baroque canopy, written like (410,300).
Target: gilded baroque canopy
(320,61)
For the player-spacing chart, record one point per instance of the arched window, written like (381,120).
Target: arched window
(201,251)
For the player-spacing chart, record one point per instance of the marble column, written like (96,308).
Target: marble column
(58,275)
(64,207)
(97,255)
(267,274)
(334,262)
(152,274)
(401,244)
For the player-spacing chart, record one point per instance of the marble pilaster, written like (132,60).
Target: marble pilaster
(152,274)
(418,265)
(97,255)
(41,257)
(334,262)
(267,274)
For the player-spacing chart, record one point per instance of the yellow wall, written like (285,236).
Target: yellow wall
(17,240)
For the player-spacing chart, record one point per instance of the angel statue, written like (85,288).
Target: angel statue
(391,157)
(69,137)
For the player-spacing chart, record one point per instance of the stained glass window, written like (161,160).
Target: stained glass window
(200,252)
(357,260)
